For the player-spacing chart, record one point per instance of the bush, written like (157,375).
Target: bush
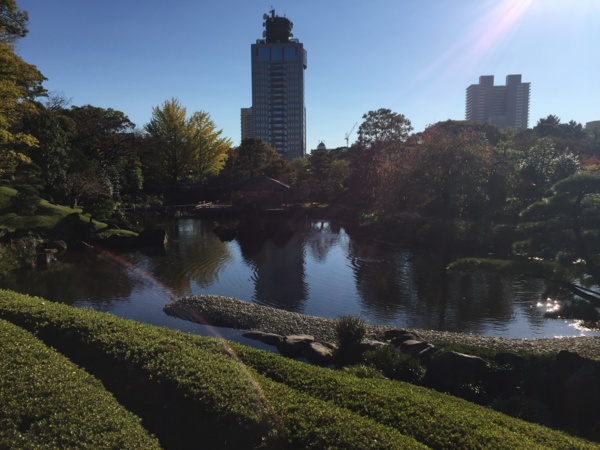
(350,330)
(20,252)
(26,201)
(394,365)
(363,371)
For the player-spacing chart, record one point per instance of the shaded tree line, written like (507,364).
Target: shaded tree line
(97,158)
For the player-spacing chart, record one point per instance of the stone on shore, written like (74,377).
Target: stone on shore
(265,338)
(293,346)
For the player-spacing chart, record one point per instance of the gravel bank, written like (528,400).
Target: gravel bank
(232,313)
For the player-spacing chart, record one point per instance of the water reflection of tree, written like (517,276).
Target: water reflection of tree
(194,254)
(416,288)
(99,277)
(384,278)
(279,275)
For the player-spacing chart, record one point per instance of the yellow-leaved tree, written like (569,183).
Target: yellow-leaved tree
(184,149)
(20,83)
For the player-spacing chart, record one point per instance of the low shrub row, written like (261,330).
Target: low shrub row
(224,395)
(163,374)
(435,419)
(48,402)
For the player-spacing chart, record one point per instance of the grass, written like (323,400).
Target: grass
(46,218)
(238,397)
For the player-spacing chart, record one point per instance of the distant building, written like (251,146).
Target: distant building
(504,106)
(247,123)
(593,130)
(593,126)
(278,109)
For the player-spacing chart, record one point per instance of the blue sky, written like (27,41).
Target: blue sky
(415,57)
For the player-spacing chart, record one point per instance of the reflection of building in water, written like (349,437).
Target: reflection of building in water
(279,275)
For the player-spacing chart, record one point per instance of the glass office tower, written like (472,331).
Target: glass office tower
(278,109)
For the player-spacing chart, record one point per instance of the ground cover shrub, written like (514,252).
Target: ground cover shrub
(312,423)
(363,371)
(292,404)
(432,418)
(200,373)
(48,402)
(184,394)
(540,388)
(395,366)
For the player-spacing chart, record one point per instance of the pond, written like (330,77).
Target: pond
(320,270)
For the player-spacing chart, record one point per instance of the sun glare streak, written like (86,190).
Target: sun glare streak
(497,23)
(490,25)
(148,277)
(198,318)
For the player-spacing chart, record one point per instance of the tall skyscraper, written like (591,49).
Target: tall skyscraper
(247,123)
(278,109)
(505,106)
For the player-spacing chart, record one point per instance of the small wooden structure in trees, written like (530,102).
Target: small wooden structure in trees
(260,192)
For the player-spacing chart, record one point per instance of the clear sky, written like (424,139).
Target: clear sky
(415,57)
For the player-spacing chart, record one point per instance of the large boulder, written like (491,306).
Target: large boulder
(580,398)
(293,346)
(265,338)
(451,370)
(414,347)
(509,359)
(401,335)
(319,353)
(370,345)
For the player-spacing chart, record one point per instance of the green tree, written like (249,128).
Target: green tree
(549,126)
(541,167)
(53,153)
(104,137)
(375,160)
(565,227)
(252,157)
(383,125)
(320,170)
(446,172)
(99,207)
(13,22)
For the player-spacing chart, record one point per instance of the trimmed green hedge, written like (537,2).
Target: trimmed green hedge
(239,397)
(235,407)
(435,419)
(48,402)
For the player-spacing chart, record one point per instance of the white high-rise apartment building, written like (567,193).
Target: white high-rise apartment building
(505,106)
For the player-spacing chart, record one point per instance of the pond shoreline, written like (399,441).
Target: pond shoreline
(229,312)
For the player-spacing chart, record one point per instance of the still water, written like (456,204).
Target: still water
(319,271)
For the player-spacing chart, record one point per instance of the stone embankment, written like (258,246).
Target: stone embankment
(232,313)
